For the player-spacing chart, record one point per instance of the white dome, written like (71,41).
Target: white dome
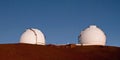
(92,36)
(33,36)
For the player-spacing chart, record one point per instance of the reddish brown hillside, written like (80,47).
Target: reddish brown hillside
(52,52)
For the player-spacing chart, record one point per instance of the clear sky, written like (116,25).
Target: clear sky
(60,20)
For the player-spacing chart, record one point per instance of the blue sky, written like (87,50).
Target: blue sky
(60,20)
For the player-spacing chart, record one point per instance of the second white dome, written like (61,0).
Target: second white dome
(92,36)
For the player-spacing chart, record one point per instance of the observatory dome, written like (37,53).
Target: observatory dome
(33,36)
(92,36)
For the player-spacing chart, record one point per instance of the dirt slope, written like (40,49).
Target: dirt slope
(52,52)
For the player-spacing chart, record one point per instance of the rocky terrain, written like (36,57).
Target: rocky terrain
(53,52)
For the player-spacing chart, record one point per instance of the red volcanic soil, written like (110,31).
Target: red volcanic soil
(52,52)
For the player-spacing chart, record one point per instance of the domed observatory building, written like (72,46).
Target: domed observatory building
(92,36)
(33,36)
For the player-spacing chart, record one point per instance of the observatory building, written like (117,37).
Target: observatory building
(33,36)
(92,36)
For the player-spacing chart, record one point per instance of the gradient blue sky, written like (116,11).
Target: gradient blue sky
(60,20)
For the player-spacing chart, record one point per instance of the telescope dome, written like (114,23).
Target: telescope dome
(92,36)
(33,36)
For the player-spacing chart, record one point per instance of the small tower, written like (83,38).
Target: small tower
(33,36)
(92,36)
